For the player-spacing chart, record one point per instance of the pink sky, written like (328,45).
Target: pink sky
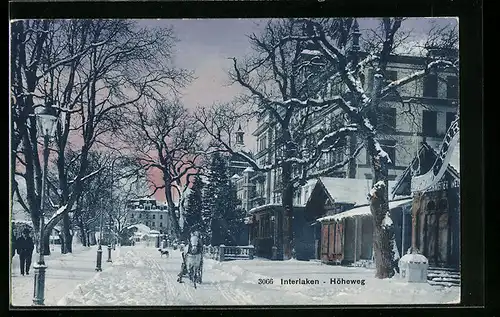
(206,44)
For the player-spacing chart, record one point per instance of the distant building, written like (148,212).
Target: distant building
(151,213)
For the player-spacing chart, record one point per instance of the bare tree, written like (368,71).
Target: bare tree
(361,107)
(283,84)
(166,139)
(95,69)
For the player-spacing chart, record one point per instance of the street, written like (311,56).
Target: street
(140,276)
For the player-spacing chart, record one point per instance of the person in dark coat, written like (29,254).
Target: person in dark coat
(25,248)
(13,245)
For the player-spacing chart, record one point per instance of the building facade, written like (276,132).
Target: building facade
(151,213)
(422,111)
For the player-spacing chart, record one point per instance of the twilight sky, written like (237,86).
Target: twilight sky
(205,45)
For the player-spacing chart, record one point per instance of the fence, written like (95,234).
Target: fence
(226,253)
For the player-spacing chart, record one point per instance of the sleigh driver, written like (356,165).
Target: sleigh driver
(192,258)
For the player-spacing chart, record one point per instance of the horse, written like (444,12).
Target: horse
(193,261)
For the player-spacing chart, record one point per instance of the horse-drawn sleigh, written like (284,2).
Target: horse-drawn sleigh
(192,261)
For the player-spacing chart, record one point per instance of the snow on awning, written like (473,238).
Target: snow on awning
(248,220)
(362,211)
(311,52)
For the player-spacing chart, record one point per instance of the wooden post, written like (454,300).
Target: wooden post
(250,252)
(355,238)
(417,199)
(221,253)
(403,231)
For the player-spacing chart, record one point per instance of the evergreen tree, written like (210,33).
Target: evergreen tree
(212,206)
(233,217)
(193,219)
(222,216)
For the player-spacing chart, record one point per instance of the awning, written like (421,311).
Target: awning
(362,211)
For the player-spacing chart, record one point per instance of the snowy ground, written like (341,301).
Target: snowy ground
(64,273)
(139,276)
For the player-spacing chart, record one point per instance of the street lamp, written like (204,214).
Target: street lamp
(47,122)
(112,208)
(98,267)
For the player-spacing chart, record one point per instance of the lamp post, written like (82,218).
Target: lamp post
(47,122)
(112,208)
(98,267)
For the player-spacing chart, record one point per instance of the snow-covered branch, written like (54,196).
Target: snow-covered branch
(91,174)
(419,74)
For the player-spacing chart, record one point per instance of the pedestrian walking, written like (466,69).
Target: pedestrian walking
(12,245)
(25,248)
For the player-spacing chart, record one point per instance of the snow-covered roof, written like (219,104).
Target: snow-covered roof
(154,232)
(235,177)
(404,180)
(268,206)
(455,158)
(248,170)
(140,228)
(311,52)
(362,211)
(349,190)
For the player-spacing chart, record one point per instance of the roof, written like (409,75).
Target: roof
(363,211)
(270,206)
(420,159)
(455,158)
(348,190)
(140,228)
(248,170)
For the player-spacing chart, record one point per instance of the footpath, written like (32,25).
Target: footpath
(64,272)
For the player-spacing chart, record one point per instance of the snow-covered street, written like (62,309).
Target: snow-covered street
(139,276)
(63,274)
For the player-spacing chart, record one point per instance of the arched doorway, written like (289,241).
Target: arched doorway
(436,232)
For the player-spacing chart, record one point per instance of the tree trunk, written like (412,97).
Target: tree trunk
(174,223)
(352,162)
(68,241)
(382,241)
(383,235)
(286,245)
(83,236)
(83,232)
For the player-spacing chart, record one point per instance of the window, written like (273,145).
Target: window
(452,87)
(132,216)
(161,216)
(262,143)
(387,120)
(161,224)
(429,123)
(140,215)
(154,216)
(153,224)
(450,116)
(147,223)
(430,86)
